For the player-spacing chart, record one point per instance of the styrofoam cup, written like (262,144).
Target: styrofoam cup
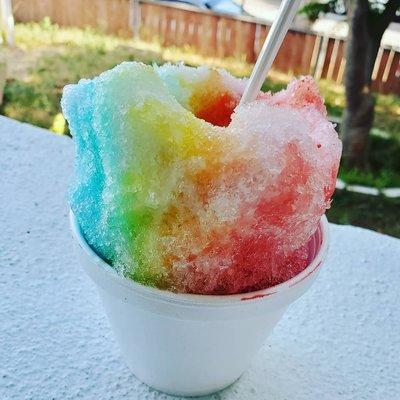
(192,345)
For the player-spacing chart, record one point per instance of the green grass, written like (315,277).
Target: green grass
(56,57)
(47,57)
(372,212)
(384,164)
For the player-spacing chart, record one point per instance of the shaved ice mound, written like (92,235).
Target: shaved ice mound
(178,187)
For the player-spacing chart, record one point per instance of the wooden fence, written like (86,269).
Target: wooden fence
(211,34)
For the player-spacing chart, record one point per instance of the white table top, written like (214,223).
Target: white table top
(340,341)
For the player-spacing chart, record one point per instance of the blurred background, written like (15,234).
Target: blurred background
(352,48)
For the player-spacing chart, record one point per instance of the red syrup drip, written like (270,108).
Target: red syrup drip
(219,110)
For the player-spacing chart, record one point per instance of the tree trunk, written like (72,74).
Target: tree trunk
(365,34)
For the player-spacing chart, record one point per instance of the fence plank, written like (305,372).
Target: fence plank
(377,82)
(392,84)
(339,59)
(307,54)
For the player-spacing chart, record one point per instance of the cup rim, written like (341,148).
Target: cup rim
(202,299)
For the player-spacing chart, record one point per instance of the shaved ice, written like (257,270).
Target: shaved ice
(178,187)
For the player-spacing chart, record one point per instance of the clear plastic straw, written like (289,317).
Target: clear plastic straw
(281,25)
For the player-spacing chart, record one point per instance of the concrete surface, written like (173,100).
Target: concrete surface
(340,341)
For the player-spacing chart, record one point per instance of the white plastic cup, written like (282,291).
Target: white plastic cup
(192,345)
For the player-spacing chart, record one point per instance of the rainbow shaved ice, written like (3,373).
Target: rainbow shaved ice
(180,188)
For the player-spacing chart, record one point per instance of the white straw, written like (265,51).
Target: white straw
(272,43)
